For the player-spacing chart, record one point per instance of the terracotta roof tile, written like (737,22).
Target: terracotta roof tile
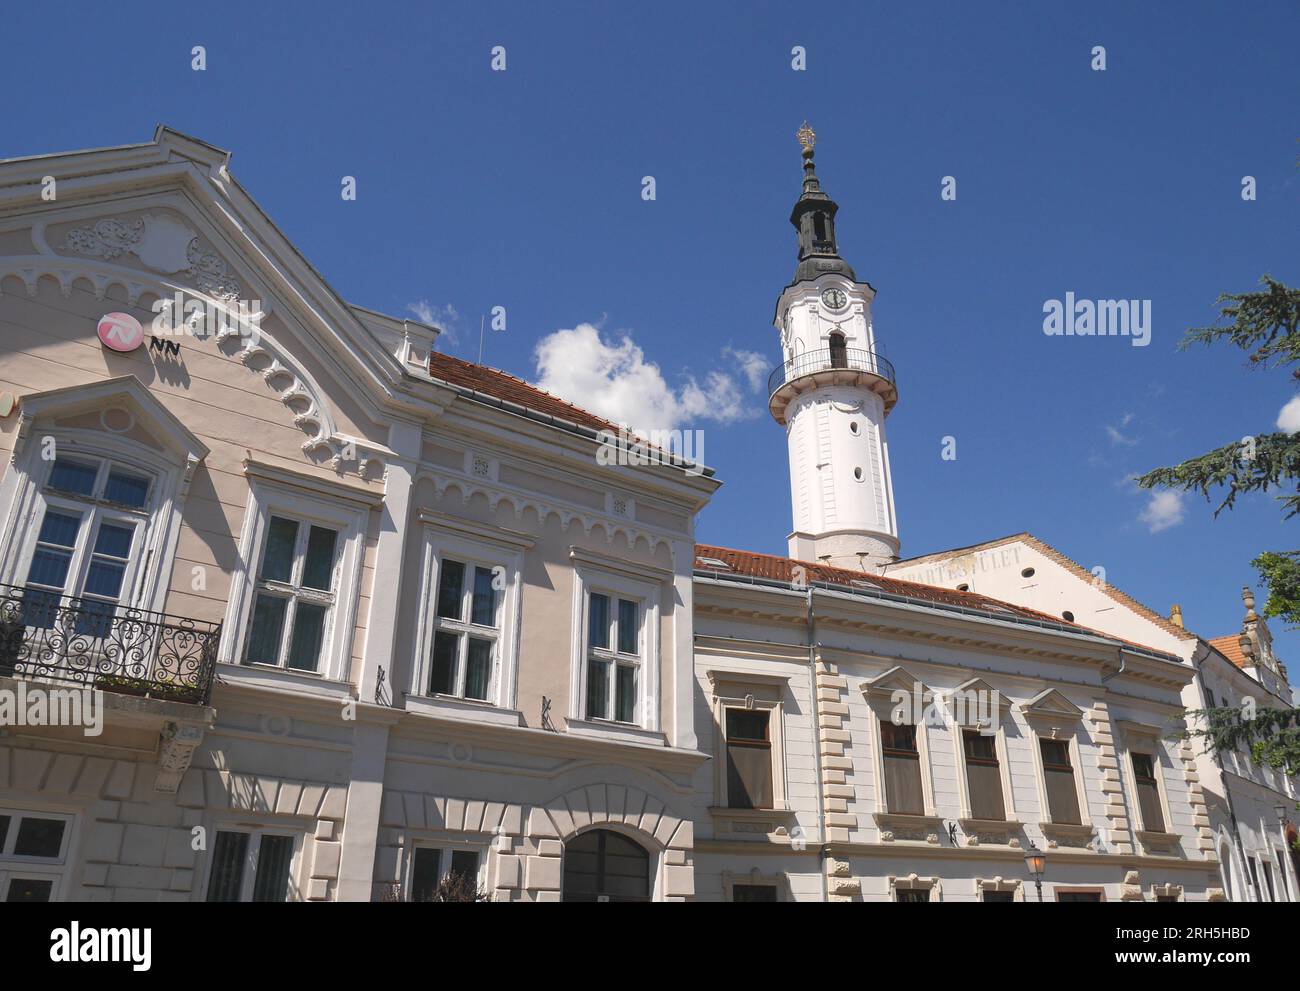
(782,569)
(502,385)
(1230,647)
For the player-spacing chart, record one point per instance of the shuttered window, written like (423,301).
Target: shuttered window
(1058,773)
(902,769)
(1148,792)
(749,759)
(983,776)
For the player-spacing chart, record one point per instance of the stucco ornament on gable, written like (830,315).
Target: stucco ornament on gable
(162,244)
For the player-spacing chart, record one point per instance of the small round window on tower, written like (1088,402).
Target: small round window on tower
(1027,573)
(963,588)
(857,473)
(853,427)
(1067,616)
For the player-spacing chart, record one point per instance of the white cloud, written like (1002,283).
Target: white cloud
(1116,434)
(1165,509)
(752,365)
(1289,419)
(614,380)
(444,317)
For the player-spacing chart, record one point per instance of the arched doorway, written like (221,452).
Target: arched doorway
(601,865)
(839,351)
(1225,865)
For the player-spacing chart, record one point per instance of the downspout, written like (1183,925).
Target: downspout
(1123,665)
(811,624)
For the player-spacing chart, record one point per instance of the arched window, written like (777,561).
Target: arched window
(604,866)
(839,351)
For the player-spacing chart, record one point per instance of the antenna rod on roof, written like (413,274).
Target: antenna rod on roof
(480,340)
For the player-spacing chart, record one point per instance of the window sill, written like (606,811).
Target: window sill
(752,822)
(991,832)
(896,826)
(467,710)
(623,732)
(1158,841)
(1068,834)
(750,815)
(282,679)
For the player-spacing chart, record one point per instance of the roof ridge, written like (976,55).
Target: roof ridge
(947,596)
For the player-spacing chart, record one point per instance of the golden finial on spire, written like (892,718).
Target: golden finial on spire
(807,137)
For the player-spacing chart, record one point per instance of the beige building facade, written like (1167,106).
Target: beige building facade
(360,617)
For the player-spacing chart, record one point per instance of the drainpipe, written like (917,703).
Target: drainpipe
(811,624)
(1123,664)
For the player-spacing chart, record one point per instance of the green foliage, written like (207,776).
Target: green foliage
(1264,321)
(1280,571)
(1275,459)
(1272,736)
(1264,324)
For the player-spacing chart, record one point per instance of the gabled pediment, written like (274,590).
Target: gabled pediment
(147,222)
(1051,704)
(155,425)
(974,685)
(896,679)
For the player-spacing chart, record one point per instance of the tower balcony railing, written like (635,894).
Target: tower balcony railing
(831,365)
(87,643)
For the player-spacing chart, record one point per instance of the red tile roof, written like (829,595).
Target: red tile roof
(1230,647)
(782,569)
(503,385)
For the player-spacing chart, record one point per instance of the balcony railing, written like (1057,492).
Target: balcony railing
(95,644)
(830,359)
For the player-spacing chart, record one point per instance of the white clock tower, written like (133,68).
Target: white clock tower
(832,394)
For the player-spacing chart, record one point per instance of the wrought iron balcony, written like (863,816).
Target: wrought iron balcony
(95,644)
(828,366)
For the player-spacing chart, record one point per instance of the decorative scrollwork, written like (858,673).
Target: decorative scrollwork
(100,645)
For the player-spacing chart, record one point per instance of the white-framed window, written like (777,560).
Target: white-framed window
(252,864)
(749,729)
(295,590)
(93,514)
(466,629)
(900,745)
(293,603)
(430,863)
(91,506)
(467,643)
(615,672)
(614,657)
(33,854)
(979,736)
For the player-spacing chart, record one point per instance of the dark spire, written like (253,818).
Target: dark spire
(814,218)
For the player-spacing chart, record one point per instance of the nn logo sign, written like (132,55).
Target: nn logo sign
(120,332)
(164,347)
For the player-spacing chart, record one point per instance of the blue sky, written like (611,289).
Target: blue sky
(522,189)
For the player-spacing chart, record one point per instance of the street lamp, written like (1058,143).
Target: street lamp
(1036,861)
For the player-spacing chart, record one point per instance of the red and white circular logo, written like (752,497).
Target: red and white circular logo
(120,331)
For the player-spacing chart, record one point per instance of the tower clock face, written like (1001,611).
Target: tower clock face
(835,299)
